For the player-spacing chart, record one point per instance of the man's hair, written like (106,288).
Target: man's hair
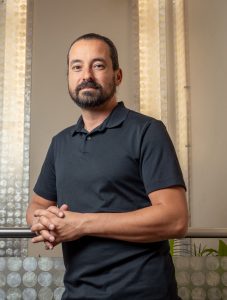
(110,44)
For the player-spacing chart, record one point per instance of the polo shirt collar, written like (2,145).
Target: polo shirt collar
(116,117)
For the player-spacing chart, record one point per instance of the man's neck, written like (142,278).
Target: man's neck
(94,117)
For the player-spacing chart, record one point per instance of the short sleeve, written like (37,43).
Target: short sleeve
(46,183)
(158,161)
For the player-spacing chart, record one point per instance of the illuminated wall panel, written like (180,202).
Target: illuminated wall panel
(15,67)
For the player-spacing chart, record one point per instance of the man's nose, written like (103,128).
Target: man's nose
(88,74)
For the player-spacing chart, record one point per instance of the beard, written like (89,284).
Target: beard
(92,98)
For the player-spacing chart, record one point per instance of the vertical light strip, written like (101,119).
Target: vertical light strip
(154,100)
(152,56)
(13,102)
(153,70)
(181,88)
(163,62)
(2,56)
(15,122)
(135,52)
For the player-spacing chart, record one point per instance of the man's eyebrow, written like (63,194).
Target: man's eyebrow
(75,61)
(93,60)
(99,59)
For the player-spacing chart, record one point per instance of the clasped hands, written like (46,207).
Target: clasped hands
(55,225)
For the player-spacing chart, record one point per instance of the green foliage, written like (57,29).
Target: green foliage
(222,248)
(175,249)
(203,251)
(171,246)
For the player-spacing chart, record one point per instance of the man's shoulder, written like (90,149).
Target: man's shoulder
(64,133)
(140,119)
(140,116)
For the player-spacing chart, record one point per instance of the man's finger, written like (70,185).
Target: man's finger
(44,236)
(48,245)
(56,211)
(37,239)
(40,226)
(46,222)
(64,207)
(42,212)
(37,227)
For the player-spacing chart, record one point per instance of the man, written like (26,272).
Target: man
(110,189)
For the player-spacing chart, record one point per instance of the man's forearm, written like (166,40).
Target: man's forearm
(166,218)
(32,207)
(143,225)
(149,224)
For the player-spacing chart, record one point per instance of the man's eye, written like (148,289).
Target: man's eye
(76,68)
(99,66)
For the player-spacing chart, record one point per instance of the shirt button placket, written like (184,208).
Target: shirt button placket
(87,139)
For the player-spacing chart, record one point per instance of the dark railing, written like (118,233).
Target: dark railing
(8,232)
(206,232)
(193,232)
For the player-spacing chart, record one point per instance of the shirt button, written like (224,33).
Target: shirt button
(89,138)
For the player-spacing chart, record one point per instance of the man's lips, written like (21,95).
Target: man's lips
(89,88)
(88,84)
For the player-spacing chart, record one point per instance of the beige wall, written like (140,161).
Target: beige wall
(208,75)
(56,24)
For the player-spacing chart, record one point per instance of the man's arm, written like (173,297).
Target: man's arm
(166,218)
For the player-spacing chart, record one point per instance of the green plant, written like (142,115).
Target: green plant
(171,247)
(179,248)
(222,248)
(203,251)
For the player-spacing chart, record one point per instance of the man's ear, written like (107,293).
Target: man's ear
(118,76)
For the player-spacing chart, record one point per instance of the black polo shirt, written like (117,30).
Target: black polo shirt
(112,169)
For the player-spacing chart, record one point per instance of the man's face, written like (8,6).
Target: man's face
(91,78)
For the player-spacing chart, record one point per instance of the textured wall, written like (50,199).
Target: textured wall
(208,73)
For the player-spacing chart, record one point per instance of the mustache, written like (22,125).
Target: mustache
(88,84)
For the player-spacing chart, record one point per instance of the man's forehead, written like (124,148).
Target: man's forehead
(94,44)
